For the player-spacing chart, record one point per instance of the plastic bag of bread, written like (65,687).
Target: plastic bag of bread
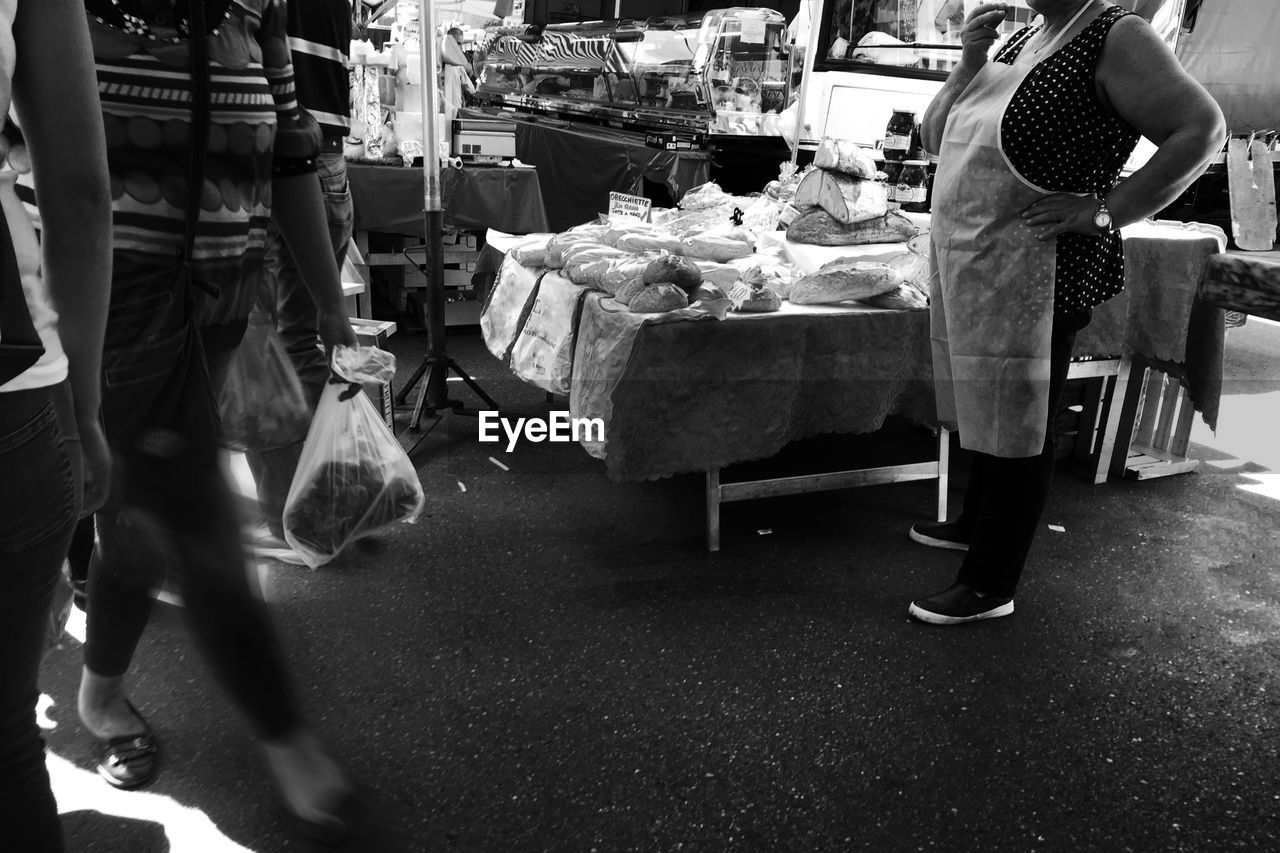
(656,240)
(779,277)
(844,156)
(845,280)
(710,299)
(914,270)
(673,269)
(532,253)
(620,271)
(904,297)
(589,272)
(702,197)
(722,275)
(621,226)
(754,298)
(657,298)
(628,290)
(722,246)
(819,228)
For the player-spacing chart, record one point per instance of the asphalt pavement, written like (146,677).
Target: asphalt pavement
(549,660)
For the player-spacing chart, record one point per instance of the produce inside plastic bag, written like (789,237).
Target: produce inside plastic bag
(262,406)
(353,478)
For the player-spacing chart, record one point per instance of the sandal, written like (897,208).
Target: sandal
(129,761)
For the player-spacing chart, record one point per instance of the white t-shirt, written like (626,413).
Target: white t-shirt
(52,366)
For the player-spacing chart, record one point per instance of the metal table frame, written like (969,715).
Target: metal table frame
(718,492)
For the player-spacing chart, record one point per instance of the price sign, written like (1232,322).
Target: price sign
(634,206)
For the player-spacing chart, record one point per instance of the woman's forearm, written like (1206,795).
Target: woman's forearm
(75,241)
(935,117)
(1171,170)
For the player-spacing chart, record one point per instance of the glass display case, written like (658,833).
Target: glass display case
(723,72)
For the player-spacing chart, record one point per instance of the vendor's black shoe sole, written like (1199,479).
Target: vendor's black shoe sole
(933,536)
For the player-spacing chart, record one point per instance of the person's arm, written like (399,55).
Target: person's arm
(298,209)
(1145,84)
(978,35)
(297,205)
(55,95)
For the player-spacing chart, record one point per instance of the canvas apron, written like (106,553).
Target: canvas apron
(991,294)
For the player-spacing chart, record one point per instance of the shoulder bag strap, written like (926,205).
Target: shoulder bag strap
(199,50)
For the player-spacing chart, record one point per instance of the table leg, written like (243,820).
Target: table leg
(1118,432)
(713,510)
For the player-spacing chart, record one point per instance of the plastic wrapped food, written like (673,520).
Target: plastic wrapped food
(353,478)
(533,253)
(702,197)
(262,406)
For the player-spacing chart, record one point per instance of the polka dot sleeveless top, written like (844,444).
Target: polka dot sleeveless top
(1062,138)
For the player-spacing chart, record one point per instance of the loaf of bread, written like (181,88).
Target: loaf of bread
(847,199)
(845,280)
(656,298)
(819,228)
(673,269)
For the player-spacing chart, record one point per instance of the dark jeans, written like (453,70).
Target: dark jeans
(171,509)
(284,291)
(39,502)
(1006,497)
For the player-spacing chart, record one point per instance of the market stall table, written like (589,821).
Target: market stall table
(681,396)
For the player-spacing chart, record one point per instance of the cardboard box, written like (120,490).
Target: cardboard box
(374,333)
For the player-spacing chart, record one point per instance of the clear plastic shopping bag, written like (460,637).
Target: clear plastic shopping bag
(261,405)
(353,478)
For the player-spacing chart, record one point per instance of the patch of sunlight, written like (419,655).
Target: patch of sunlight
(43,720)
(75,624)
(187,829)
(1267,485)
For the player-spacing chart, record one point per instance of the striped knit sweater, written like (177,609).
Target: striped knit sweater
(320,37)
(145,87)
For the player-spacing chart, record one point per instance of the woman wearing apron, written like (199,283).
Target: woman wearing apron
(1025,242)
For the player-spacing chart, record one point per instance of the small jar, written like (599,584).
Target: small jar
(897,135)
(913,186)
(892,174)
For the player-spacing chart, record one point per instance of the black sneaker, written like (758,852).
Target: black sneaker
(959,604)
(945,534)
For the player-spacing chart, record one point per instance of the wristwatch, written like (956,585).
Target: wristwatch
(1103,220)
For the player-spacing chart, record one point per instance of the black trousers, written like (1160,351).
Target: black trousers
(1006,497)
(171,510)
